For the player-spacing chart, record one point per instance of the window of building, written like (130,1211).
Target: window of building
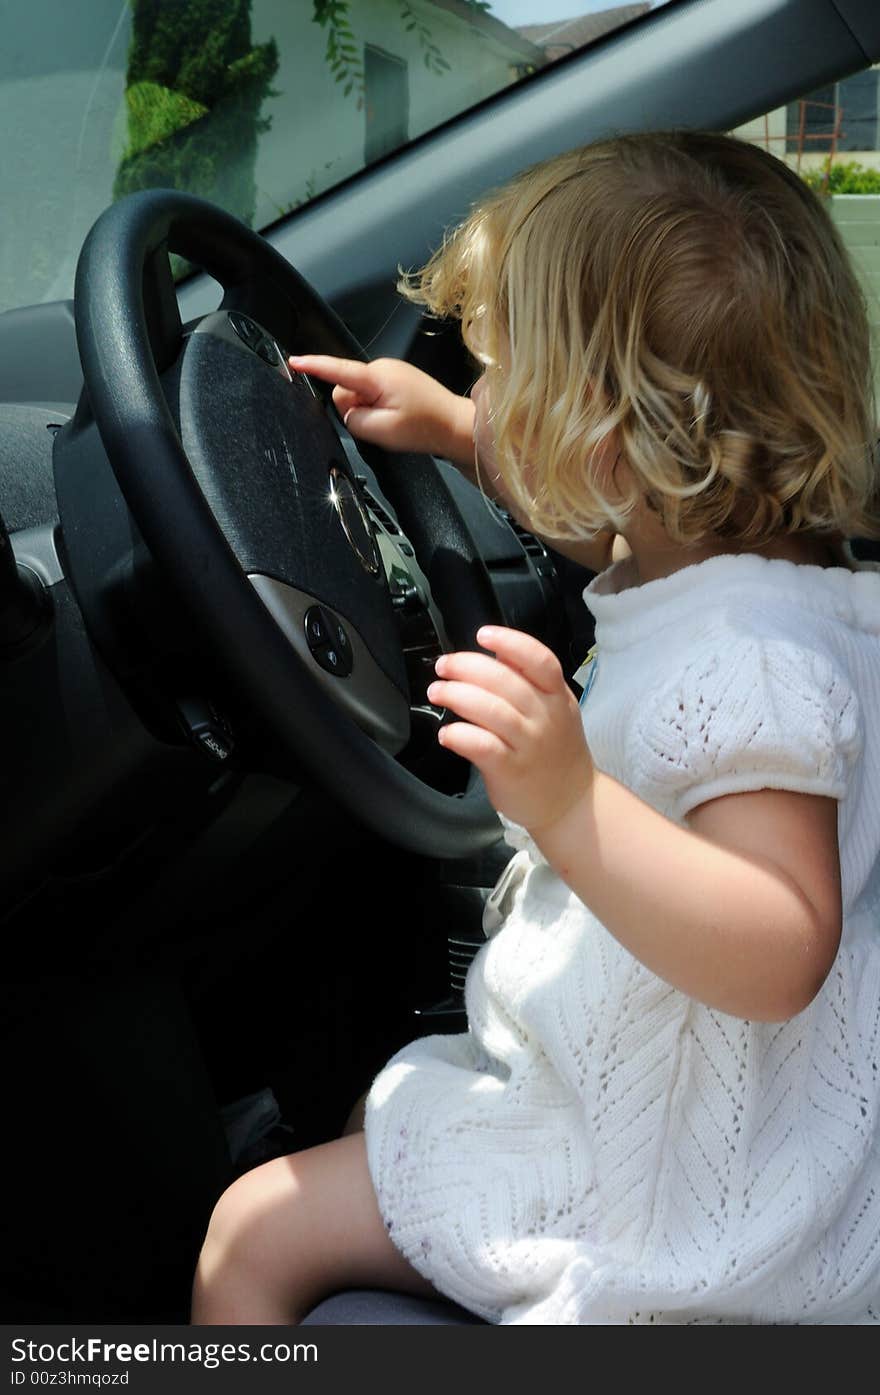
(386,103)
(843,116)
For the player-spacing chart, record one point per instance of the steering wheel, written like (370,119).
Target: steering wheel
(242,490)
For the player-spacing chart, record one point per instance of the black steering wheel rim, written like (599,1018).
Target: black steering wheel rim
(128,328)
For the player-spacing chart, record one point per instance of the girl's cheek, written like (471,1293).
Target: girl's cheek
(484,442)
(484,436)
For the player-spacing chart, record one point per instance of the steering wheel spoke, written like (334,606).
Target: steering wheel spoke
(341,662)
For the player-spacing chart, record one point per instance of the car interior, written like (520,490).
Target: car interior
(237,870)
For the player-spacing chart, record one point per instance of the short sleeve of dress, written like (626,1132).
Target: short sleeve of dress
(518,838)
(750,713)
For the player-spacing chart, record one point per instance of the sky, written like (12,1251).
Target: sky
(513,12)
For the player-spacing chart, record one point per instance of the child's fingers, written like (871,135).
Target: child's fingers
(523,652)
(494,714)
(344,400)
(468,667)
(347,372)
(375,424)
(475,744)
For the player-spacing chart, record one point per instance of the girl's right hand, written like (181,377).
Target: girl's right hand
(392,404)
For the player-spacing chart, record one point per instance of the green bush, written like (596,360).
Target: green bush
(155,113)
(848,177)
(195,86)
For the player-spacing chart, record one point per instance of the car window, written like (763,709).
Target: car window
(258,105)
(831,137)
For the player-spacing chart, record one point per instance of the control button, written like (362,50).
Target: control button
(316,628)
(245,329)
(268,351)
(407,549)
(328,641)
(407,598)
(332,662)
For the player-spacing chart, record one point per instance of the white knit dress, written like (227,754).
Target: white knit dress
(598,1147)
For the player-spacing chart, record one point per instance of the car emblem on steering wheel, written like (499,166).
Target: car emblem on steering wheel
(355,521)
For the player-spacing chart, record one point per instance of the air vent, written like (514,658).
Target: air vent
(532,545)
(462,953)
(381,513)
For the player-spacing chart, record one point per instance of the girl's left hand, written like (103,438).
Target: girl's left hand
(522,728)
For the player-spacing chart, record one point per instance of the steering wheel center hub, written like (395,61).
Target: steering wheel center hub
(355,521)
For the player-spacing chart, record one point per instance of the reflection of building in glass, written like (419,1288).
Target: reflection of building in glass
(390,74)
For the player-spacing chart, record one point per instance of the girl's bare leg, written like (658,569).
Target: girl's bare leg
(289,1233)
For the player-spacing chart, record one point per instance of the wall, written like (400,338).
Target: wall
(857,217)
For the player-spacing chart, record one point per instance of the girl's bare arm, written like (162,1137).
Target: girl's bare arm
(741,909)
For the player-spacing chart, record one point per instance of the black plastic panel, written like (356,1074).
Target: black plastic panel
(38,356)
(862,18)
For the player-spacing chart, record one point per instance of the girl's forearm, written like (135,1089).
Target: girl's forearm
(732,931)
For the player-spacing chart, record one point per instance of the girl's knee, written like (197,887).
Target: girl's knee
(243,1274)
(242,1219)
(287,1233)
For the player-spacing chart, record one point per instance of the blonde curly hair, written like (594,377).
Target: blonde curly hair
(688,292)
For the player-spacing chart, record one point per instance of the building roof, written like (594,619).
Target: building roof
(515,39)
(561,37)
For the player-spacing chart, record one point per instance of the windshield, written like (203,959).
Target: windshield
(258,105)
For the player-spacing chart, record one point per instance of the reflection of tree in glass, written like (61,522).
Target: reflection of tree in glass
(194,90)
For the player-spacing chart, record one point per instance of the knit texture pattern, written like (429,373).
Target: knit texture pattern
(598,1147)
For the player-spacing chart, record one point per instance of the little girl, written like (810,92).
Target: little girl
(666,1106)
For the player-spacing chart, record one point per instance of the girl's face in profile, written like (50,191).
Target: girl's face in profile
(606,463)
